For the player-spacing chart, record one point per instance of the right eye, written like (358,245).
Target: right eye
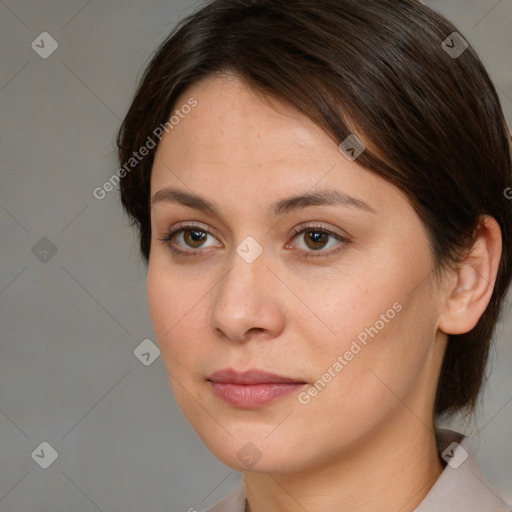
(192,237)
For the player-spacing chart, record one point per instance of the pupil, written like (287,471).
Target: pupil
(197,235)
(193,237)
(317,237)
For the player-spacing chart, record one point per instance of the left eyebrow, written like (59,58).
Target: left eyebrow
(319,198)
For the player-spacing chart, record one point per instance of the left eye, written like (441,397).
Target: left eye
(317,239)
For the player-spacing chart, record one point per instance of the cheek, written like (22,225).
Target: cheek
(173,307)
(373,324)
(382,349)
(342,310)
(174,310)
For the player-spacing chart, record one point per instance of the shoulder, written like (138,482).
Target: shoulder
(233,502)
(462,485)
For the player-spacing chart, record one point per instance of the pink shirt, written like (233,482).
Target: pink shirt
(461,487)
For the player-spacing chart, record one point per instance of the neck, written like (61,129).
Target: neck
(391,470)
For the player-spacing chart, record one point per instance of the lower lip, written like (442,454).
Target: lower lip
(253,395)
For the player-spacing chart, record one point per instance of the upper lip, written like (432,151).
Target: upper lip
(252,376)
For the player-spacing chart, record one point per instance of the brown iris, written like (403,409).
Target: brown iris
(194,238)
(318,239)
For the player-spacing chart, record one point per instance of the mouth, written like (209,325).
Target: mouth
(251,388)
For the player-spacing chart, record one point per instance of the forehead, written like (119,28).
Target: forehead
(236,140)
(231,122)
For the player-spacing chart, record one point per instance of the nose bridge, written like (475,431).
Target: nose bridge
(242,286)
(248,265)
(245,298)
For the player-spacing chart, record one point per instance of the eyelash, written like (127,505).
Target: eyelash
(299,230)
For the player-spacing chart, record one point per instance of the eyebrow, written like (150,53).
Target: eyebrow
(328,197)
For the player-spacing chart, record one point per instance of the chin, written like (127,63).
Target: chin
(252,449)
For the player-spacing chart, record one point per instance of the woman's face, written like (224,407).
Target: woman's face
(333,298)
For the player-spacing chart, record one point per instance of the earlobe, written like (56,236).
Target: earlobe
(473,281)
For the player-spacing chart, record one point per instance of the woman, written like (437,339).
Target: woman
(319,191)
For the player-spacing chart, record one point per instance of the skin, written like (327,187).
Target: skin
(366,441)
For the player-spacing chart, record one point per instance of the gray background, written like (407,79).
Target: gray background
(69,325)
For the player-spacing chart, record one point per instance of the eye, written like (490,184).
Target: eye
(315,239)
(191,237)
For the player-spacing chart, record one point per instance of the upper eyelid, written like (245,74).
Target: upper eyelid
(184,226)
(318,225)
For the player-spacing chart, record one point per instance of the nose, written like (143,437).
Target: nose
(249,301)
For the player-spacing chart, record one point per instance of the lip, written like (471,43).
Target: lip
(251,388)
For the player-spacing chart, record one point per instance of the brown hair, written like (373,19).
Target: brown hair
(431,121)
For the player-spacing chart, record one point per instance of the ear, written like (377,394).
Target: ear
(473,280)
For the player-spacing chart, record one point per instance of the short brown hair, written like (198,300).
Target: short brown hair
(430,119)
